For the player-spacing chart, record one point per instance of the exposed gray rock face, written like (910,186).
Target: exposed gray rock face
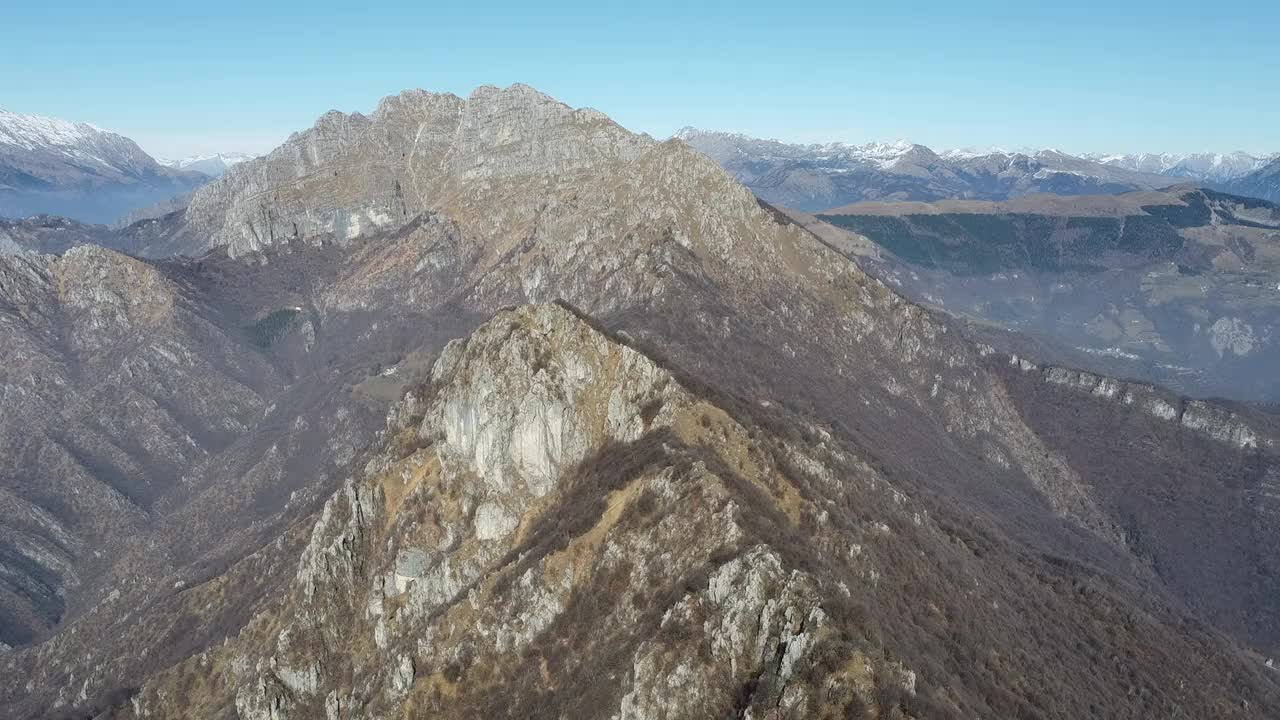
(352,175)
(757,613)
(1212,421)
(758,618)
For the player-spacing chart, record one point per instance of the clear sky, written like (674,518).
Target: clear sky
(1124,75)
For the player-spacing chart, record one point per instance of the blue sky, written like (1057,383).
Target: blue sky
(1123,75)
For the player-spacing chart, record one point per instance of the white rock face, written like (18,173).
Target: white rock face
(1196,415)
(519,424)
(754,613)
(494,522)
(1218,424)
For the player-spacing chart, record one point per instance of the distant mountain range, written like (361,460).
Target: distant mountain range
(79,171)
(1262,183)
(1205,167)
(821,176)
(212,165)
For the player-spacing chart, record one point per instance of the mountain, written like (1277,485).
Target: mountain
(1179,287)
(818,177)
(497,409)
(1205,167)
(79,171)
(211,165)
(623,528)
(1263,183)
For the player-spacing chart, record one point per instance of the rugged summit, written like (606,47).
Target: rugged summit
(744,394)
(352,174)
(79,171)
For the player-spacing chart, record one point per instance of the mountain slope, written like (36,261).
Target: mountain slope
(349,255)
(79,171)
(114,384)
(818,177)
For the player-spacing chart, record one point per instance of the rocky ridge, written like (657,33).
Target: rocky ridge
(466,572)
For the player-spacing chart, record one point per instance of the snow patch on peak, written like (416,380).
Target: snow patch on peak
(213,164)
(32,132)
(1202,166)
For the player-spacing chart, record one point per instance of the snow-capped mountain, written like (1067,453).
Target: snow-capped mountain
(1209,167)
(211,165)
(1261,183)
(720,145)
(77,170)
(823,176)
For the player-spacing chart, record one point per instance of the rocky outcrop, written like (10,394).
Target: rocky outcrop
(529,496)
(1194,415)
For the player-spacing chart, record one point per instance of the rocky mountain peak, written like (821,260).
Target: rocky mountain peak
(351,174)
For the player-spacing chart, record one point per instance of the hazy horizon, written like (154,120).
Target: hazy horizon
(1093,78)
